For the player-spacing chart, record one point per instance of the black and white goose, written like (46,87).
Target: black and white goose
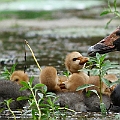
(109,44)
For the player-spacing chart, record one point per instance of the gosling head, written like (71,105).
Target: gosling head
(18,76)
(75,61)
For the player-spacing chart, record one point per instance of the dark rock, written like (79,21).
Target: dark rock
(9,89)
(72,100)
(93,102)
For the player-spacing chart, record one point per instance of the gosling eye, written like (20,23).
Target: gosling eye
(110,82)
(74,59)
(16,80)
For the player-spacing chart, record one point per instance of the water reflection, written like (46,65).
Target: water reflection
(49,49)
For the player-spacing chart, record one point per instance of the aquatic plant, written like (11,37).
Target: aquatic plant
(8,102)
(7,73)
(111,10)
(66,73)
(41,103)
(99,66)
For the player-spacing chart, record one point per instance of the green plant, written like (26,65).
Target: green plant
(41,103)
(7,73)
(117,117)
(66,73)
(111,10)
(101,66)
(32,99)
(7,102)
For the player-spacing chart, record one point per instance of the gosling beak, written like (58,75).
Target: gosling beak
(83,60)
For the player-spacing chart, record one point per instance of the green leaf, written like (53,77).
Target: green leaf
(106,81)
(50,94)
(114,83)
(40,95)
(109,22)
(67,73)
(31,80)
(117,14)
(44,89)
(84,87)
(95,71)
(91,60)
(88,93)
(102,58)
(32,104)
(106,66)
(98,56)
(22,98)
(49,102)
(13,68)
(23,88)
(117,117)
(25,85)
(103,109)
(8,101)
(105,12)
(115,5)
(95,93)
(109,5)
(5,69)
(38,86)
(43,105)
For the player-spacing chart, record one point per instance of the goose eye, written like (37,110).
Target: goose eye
(118,33)
(102,41)
(16,80)
(74,59)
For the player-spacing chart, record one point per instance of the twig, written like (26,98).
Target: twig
(25,66)
(33,55)
(64,108)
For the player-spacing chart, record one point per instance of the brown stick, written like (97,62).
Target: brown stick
(33,55)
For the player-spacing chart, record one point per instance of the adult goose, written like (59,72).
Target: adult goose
(109,44)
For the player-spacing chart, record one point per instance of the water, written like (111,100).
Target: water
(50,48)
(52,40)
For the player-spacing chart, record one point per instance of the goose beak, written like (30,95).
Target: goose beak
(100,48)
(83,60)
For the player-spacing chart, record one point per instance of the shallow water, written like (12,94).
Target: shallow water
(50,46)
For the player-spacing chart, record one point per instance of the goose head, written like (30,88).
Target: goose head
(108,44)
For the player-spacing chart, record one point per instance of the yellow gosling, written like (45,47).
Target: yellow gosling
(18,76)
